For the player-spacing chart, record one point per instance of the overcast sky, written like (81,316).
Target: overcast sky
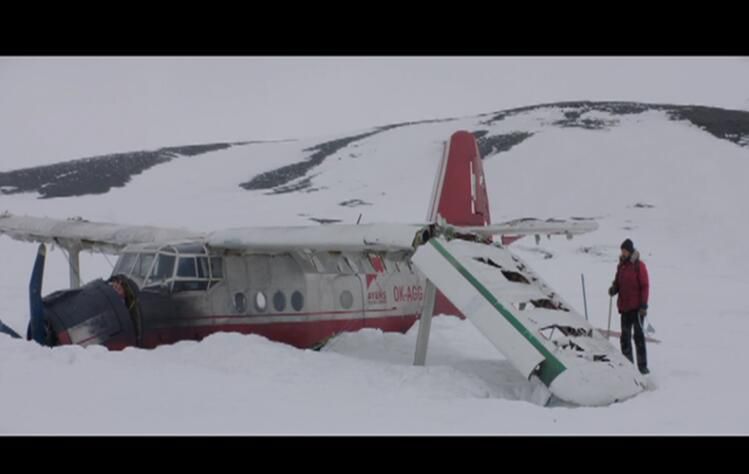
(61,108)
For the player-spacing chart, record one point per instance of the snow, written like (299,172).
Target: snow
(108,237)
(340,237)
(691,240)
(275,388)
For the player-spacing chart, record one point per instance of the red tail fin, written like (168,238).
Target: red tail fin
(459,196)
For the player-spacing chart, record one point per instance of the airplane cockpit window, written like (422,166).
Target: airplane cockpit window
(186,267)
(125,263)
(143,265)
(194,272)
(203,271)
(183,267)
(163,269)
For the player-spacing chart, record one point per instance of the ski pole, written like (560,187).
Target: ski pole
(585,301)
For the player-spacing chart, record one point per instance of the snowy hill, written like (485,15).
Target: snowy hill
(671,177)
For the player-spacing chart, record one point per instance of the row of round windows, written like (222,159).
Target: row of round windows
(346,300)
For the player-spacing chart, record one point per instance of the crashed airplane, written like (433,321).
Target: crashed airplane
(304,285)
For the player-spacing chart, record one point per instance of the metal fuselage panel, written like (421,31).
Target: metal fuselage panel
(299,298)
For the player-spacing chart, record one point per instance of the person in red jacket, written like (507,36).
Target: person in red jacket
(632,285)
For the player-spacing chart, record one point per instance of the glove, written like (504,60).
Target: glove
(643,311)
(613,290)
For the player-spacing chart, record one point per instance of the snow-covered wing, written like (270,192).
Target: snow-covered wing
(535,226)
(113,237)
(342,238)
(87,235)
(523,318)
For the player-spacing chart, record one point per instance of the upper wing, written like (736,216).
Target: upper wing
(336,237)
(108,237)
(534,227)
(86,235)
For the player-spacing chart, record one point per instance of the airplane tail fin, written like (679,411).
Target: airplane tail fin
(459,195)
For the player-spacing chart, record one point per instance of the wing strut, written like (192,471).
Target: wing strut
(425,324)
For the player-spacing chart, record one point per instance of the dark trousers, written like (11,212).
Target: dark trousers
(630,319)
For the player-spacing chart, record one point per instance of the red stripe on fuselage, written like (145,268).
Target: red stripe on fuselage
(304,334)
(265,315)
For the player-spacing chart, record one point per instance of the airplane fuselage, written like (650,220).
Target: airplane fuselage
(300,298)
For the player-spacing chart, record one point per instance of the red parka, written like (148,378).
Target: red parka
(632,283)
